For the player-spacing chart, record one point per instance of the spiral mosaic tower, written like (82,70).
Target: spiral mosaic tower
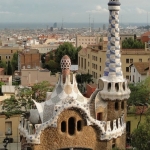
(113,64)
(115,86)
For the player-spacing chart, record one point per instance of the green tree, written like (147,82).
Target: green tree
(11,106)
(1,83)
(140,96)
(39,91)
(52,66)
(132,44)
(82,80)
(22,102)
(141,136)
(9,69)
(14,62)
(3,65)
(66,49)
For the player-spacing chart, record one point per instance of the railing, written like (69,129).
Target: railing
(13,144)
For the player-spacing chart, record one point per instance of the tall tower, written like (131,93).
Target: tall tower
(112,85)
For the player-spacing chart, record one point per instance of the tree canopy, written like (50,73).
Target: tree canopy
(130,43)
(140,95)
(141,136)
(22,102)
(67,49)
(9,69)
(14,62)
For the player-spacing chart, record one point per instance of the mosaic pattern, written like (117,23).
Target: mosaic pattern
(113,63)
(48,112)
(65,62)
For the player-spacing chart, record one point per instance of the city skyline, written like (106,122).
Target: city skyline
(71,11)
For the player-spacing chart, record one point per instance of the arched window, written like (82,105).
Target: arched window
(116,105)
(109,87)
(122,105)
(71,126)
(63,126)
(111,125)
(79,125)
(117,87)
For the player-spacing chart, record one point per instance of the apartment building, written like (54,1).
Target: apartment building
(31,76)
(6,53)
(45,48)
(29,58)
(83,41)
(92,60)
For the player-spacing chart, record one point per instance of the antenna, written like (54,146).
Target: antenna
(147,20)
(89,23)
(93,24)
(62,26)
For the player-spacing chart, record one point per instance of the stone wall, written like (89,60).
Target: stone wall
(54,139)
(112,113)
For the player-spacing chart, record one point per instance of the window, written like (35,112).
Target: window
(122,105)
(71,126)
(79,125)
(8,128)
(113,143)
(63,126)
(100,116)
(6,57)
(79,61)
(128,125)
(100,68)
(140,60)
(111,125)
(127,60)
(88,56)
(116,105)
(127,69)
(84,63)
(139,79)
(11,51)
(0,58)
(131,60)
(100,60)
(127,77)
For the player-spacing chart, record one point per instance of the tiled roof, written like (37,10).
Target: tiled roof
(141,67)
(146,33)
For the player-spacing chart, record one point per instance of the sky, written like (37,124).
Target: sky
(78,11)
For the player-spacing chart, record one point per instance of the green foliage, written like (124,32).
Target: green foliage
(39,91)
(1,83)
(130,43)
(3,65)
(9,69)
(141,136)
(140,95)
(52,66)
(83,79)
(67,49)
(23,101)
(14,62)
(139,92)
(11,106)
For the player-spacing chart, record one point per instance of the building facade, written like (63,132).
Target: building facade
(29,58)
(68,120)
(92,59)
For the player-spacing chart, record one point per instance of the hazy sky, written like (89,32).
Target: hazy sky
(70,10)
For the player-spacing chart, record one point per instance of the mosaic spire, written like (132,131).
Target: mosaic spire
(112,85)
(113,64)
